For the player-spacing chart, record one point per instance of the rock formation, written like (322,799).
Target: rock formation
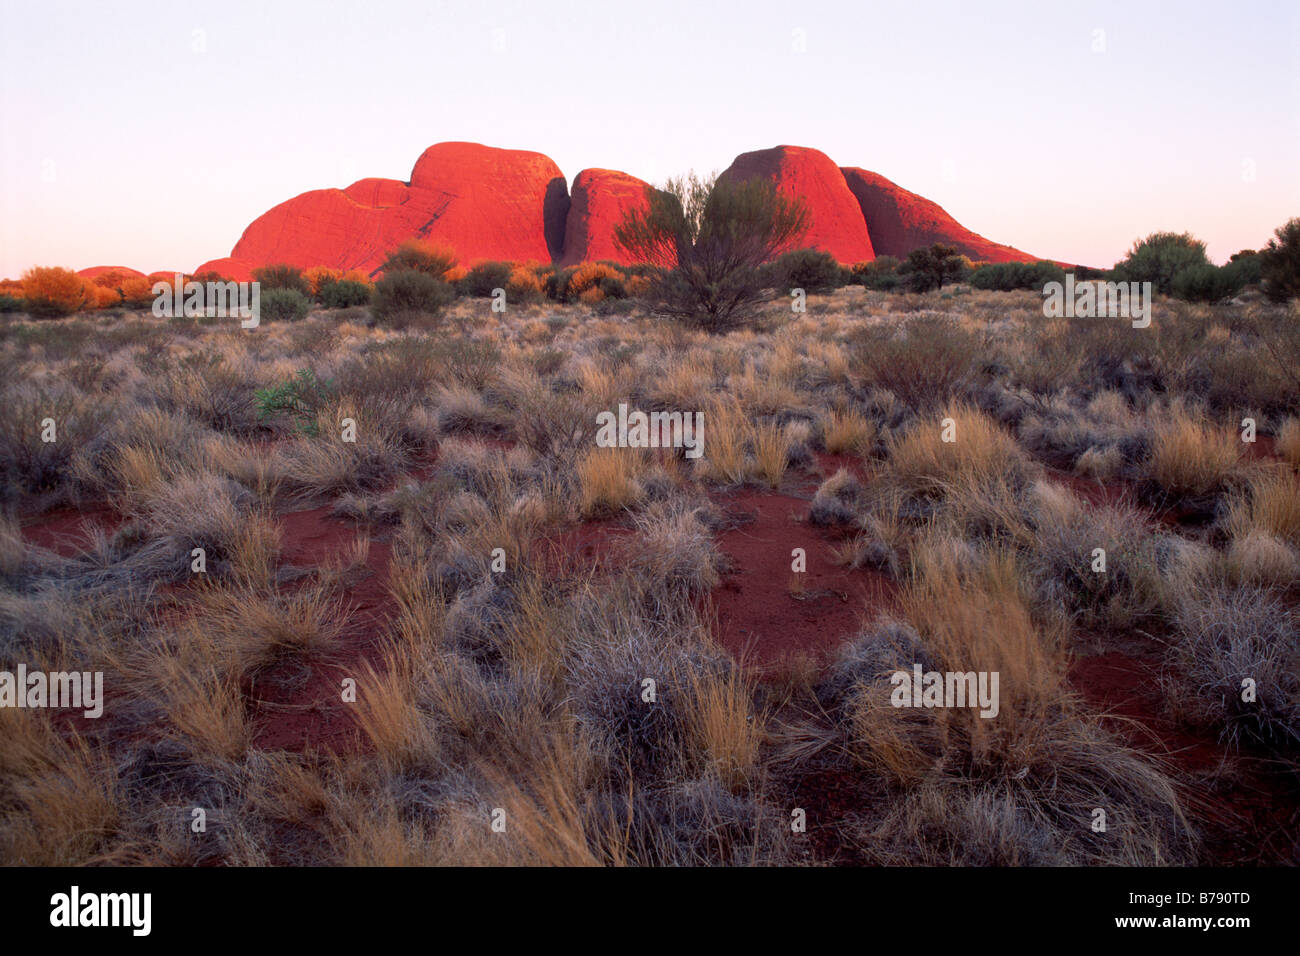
(511,204)
(836,224)
(598,203)
(900,221)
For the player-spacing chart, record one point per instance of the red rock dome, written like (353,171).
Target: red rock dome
(900,221)
(835,219)
(598,203)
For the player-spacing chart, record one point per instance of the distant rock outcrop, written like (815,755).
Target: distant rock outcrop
(94,272)
(486,203)
(836,224)
(900,221)
(599,201)
(489,203)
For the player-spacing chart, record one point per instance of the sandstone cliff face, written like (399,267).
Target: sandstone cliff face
(900,221)
(836,223)
(598,203)
(512,204)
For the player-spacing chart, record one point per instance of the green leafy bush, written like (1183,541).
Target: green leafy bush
(299,399)
(1005,276)
(344,294)
(9,303)
(484,277)
(812,270)
(1158,258)
(399,295)
(284,305)
(282,276)
(1280,265)
(930,268)
(1207,283)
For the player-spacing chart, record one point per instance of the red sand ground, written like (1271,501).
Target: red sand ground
(766,614)
(1248,816)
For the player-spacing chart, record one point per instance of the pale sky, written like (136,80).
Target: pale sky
(150,134)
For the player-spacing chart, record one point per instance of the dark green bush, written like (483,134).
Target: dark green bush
(812,270)
(408,292)
(1280,263)
(1158,258)
(881,281)
(9,303)
(483,278)
(1207,283)
(284,305)
(1247,266)
(930,268)
(281,276)
(1005,276)
(344,294)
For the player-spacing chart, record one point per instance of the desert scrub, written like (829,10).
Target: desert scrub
(1191,458)
(925,361)
(1117,588)
(1236,661)
(402,296)
(284,305)
(1040,763)
(299,400)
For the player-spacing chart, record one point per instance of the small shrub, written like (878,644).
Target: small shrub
(930,268)
(484,277)
(408,292)
(812,270)
(1280,263)
(418,255)
(301,399)
(1159,257)
(1208,283)
(523,286)
(52,292)
(925,362)
(281,276)
(319,278)
(345,294)
(284,305)
(1005,276)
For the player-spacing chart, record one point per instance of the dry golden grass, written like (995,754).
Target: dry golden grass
(519,690)
(62,802)
(771,453)
(390,717)
(848,431)
(1190,457)
(980,455)
(726,433)
(608,481)
(727,730)
(1268,504)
